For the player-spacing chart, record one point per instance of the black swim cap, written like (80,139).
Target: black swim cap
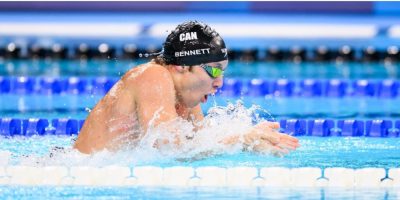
(193,43)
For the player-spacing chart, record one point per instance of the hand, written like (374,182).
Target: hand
(265,138)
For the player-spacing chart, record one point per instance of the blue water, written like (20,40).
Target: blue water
(196,193)
(355,152)
(266,70)
(314,152)
(75,106)
(320,152)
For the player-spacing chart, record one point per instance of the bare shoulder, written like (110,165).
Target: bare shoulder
(148,78)
(148,72)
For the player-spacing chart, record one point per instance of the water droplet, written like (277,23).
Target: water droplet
(214,100)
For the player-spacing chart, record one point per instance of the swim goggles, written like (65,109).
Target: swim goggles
(213,72)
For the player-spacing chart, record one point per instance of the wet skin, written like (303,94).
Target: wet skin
(123,115)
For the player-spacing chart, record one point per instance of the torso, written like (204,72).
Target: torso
(114,120)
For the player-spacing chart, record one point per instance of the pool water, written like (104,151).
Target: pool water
(269,70)
(196,193)
(314,152)
(55,106)
(320,152)
(76,106)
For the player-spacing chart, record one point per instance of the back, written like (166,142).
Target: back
(114,120)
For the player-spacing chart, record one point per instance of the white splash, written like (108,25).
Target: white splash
(160,144)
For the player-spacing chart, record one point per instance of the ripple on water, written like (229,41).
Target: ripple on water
(204,149)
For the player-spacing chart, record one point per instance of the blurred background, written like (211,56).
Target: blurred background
(309,54)
(252,30)
(318,68)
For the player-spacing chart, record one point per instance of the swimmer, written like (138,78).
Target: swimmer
(171,86)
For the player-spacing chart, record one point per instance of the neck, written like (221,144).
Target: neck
(182,111)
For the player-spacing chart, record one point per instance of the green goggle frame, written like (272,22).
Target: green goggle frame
(213,72)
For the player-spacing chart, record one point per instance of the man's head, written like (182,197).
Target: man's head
(193,43)
(200,56)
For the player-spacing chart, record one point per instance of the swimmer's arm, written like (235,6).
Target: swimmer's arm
(155,98)
(265,138)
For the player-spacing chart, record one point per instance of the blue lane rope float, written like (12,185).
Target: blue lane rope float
(298,127)
(50,85)
(36,126)
(337,88)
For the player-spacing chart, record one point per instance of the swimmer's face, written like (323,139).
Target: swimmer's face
(201,83)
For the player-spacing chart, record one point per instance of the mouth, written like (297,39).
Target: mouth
(204,98)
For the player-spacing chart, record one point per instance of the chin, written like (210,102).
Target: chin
(194,105)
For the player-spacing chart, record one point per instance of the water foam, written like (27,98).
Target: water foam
(159,144)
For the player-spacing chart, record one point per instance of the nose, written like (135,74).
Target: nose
(218,82)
